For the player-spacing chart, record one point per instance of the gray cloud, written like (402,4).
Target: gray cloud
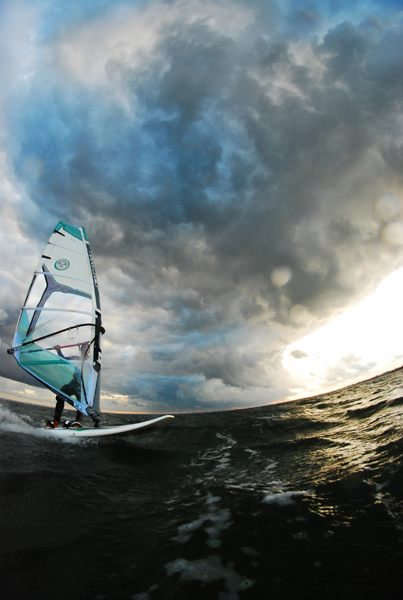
(203,161)
(299,354)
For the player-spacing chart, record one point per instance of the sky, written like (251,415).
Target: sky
(238,167)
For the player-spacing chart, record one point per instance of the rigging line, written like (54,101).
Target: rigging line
(52,334)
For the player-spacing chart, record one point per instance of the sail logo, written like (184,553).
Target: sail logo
(62,264)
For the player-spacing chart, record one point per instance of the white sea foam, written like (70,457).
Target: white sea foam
(11,422)
(208,570)
(217,520)
(283,498)
(223,462)
(227,438)
(219,457)
(213,521)
(251,452)
(212,499)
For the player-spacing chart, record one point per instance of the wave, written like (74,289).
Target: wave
(273,501)
(368,411)
(14,423)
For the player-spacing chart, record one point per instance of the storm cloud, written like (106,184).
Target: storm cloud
(237,166)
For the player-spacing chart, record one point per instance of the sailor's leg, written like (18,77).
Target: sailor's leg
(58,410)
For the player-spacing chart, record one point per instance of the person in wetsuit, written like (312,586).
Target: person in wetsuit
(72,388)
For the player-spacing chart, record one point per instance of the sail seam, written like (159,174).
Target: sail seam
(66,248)
(40,308)
(62,276)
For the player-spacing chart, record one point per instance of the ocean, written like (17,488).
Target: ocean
(296,500)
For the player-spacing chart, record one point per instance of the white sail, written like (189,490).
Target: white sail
(58,335)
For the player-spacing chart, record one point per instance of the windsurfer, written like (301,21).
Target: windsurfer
(72,388)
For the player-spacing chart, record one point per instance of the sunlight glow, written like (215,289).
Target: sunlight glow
(359,344)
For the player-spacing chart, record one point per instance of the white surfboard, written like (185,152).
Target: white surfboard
(92,432)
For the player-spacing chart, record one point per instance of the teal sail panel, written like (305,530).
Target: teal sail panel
(58,335)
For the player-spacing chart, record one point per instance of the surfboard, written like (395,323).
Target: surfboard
(94,432)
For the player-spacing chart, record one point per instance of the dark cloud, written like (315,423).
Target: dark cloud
(299,354)
(214,156)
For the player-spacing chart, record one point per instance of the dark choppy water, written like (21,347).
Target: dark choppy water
(297,500)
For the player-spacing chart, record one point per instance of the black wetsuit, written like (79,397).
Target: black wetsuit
(59,409)
(73,388)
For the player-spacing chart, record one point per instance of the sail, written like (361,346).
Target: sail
(58,335)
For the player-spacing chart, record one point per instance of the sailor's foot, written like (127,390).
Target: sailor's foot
(51,424)
(72,425)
